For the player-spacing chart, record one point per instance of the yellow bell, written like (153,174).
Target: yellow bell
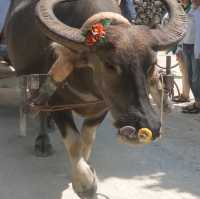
(145,135)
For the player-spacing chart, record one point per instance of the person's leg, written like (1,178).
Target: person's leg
(196,80)
(188,62)
(4,7)
(3,51)
(185,79)
(184,96)
(118,2)
(128,9)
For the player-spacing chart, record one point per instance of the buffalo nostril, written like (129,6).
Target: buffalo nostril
(128,131)
(145,135)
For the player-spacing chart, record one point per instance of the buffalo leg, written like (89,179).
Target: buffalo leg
(83,176)
(88,133)
(43,147)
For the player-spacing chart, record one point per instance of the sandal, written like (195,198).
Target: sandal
(180,99)
(191,109)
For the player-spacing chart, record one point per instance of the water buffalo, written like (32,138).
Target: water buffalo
(83,69)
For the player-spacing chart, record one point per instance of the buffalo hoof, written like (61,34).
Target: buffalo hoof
(43,147)
(85,186)
(89,193)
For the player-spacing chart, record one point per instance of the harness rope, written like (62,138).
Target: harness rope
(162,104)
(48,108)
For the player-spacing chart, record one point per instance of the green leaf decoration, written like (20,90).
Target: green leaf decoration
(103,40)
(106,22)
(85,33)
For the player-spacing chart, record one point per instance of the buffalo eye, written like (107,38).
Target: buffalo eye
(110,67)
(113,68)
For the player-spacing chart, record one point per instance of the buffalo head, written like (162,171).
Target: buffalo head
(119,64)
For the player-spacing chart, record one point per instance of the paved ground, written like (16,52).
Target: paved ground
(168,169)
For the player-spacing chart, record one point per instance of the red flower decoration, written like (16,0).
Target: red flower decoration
(96,33)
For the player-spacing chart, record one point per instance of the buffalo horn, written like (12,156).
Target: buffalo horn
(114,17)
(168,35)
(64,34)
(54,28)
